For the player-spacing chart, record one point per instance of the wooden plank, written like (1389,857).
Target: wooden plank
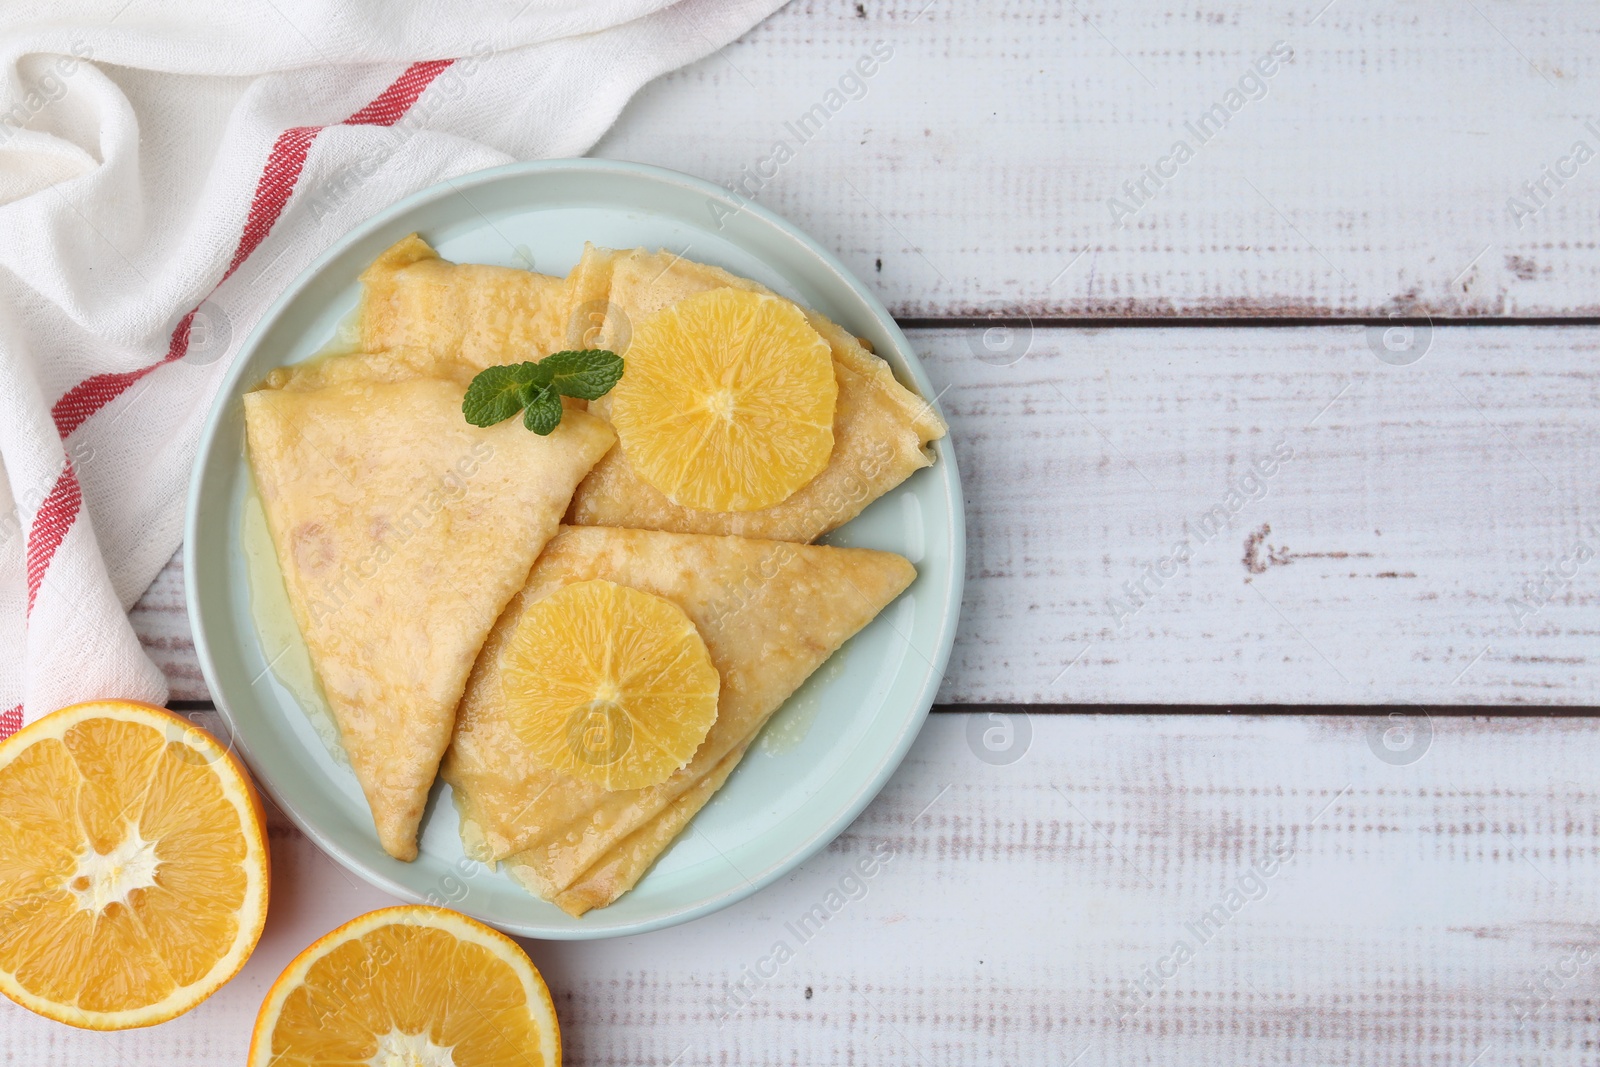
(1356,531)
(161,619)
(1434,907)
(1374,173)
(1420,545)
(1277,516)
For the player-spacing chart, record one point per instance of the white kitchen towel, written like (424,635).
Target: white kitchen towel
(163,156)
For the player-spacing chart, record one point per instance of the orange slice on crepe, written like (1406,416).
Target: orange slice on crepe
(610,684)
(727,401)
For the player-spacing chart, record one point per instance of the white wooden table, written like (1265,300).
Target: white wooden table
(1118,882)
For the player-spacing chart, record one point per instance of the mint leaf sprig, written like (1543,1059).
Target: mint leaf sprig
(536,389)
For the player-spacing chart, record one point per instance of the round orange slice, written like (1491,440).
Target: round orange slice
(412,986)
(133,866)
(609,684)
(727,401)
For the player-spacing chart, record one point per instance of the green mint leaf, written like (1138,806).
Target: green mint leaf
(536,389)
(587,375)
(544,412)
(497,393)
(536,381)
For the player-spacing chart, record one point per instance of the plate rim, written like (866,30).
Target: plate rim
(951,595)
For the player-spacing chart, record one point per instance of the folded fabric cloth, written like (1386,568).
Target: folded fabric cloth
(166,168)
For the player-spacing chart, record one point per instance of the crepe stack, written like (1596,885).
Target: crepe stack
(457,312)
(412,653)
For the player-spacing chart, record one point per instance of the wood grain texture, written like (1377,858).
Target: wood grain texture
(161,619)
(1432,538)
(1422,544)
(1428,912)
(1372,174)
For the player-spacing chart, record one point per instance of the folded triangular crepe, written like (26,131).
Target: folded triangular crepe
(402,532)
(480,315)
(881,429)
(770,613)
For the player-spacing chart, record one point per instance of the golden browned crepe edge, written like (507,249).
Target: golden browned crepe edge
(378,289)
(619,870)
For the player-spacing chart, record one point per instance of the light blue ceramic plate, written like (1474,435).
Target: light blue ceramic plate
(825,754)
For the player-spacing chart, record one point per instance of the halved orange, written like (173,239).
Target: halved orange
(609,684)
(412,986)
(133,866)
(727,401)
